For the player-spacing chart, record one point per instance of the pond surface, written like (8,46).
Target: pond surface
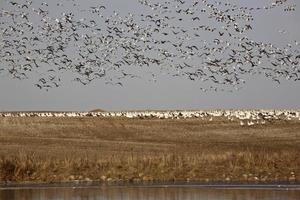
(166,192)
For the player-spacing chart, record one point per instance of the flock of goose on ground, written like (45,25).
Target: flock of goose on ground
(200,40)
(245,117)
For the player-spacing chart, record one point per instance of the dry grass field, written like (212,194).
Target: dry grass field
(45,150)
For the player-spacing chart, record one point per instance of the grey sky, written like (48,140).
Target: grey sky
(166,92)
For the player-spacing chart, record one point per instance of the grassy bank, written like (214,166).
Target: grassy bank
(36,150)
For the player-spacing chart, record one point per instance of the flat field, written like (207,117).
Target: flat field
(45,150)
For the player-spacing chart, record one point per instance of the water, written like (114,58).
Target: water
(171,192)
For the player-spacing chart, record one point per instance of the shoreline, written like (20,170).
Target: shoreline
(199,185)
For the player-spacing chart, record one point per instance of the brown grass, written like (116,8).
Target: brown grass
(47,150)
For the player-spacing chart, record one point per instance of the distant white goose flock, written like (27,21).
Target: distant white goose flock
(249,117)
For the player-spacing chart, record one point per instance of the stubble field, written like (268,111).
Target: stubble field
(46,150)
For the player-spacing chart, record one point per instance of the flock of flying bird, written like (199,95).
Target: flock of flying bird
(205,40)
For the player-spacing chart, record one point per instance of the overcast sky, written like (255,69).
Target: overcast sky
(166,92)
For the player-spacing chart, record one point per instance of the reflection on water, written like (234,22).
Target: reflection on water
(148,193)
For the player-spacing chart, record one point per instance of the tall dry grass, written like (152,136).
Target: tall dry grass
(215,167)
